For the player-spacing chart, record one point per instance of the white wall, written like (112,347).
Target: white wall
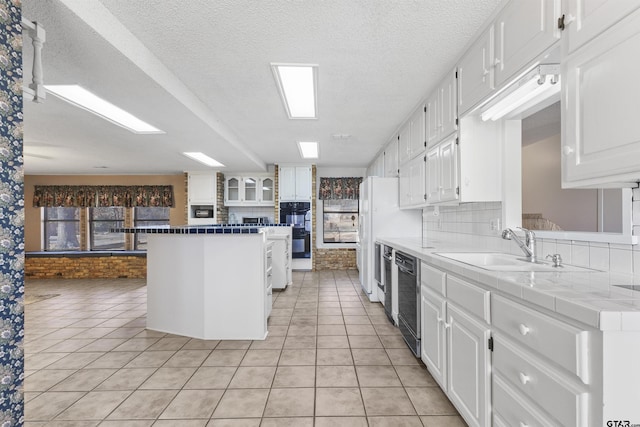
(332,172)
(573,210)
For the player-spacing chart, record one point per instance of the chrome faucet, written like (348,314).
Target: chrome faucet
(529,244)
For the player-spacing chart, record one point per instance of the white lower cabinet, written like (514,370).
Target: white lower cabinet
(281,265)
(504,364)
(468,366)
(510,408)
(433,339)
(455,344)
(268,301)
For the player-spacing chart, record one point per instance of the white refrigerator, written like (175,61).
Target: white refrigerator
(380,216)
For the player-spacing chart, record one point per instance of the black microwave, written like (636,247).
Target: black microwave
(202,212)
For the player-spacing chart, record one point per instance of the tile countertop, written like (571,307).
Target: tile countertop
(589,297)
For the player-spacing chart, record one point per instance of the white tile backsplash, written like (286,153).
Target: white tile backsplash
(469,224)
(620,260)
(599,257)
(239,212)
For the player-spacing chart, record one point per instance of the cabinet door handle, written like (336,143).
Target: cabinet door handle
(496,62)
(567,150)
(484,72)
(524,329)
(447,325)
(439,319)
(523,424)
(524,379)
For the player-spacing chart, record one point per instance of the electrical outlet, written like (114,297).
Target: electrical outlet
(439,223)
(494,224)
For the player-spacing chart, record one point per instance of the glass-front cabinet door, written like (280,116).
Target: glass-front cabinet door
(267,190)
(232,189)
(250,189)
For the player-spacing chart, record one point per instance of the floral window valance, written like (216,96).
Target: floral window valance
(86,196)
(340,188)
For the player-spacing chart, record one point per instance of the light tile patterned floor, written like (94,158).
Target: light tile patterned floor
(331,359)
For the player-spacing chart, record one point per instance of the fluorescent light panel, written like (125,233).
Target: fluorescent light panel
(298,88)
(526,89)
(308,150)
(80,97)
(203,158)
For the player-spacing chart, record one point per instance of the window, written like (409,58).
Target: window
(340,221)
(145,217)
(101,220)
(61,229)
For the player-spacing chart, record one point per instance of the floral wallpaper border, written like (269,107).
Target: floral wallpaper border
(87,196)
(11,217)
(340,188)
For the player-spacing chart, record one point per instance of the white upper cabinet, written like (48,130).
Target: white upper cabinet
(376,168)
(475,72)
(442,107)
(448,105)
(287,183)
(418,128)
(585,19)
(442,169)
(404,143)
(412,183)
(391,159)
(303,183)
(202,187)
(253,190)
(294,183)
(449,189)
(232,189)
(524,30)
(600,102)
(404,189)
(433,121)
(267,190)
(417,170)
(433,175)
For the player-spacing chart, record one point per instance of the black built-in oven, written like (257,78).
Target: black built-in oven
(298,214)
(409,300)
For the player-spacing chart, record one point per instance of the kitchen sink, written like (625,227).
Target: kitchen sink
(505,262)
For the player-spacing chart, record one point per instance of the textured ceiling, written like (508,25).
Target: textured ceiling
(200,71)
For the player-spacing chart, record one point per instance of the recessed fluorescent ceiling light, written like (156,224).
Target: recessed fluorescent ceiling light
(298,87)
(308,150)
(80,97)
(203,158)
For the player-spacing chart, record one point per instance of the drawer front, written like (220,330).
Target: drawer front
(472,298)
(512,408)
(558,394)
(564,344)
(433,278)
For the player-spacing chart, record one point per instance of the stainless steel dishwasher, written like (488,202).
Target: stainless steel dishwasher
(409,300)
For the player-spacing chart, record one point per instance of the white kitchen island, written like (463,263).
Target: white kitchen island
(206,282)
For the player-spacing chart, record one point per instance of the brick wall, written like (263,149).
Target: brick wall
(93,267)
(276,195)
(222,210)
(335,259)
(186,198)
